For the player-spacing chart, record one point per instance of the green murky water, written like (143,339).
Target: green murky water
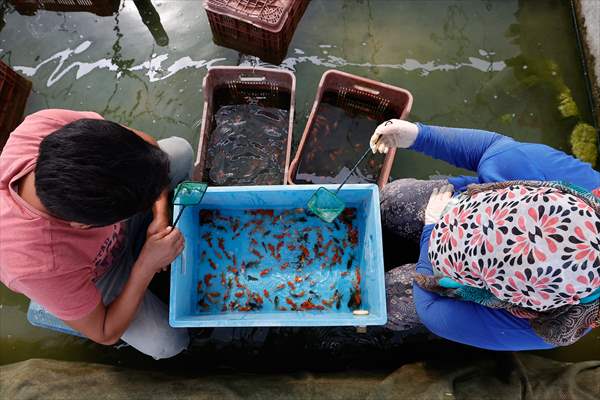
(497,65)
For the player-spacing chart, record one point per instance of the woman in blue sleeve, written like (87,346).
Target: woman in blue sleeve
(510,258)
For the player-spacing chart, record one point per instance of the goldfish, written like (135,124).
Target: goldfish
(291,303)
(212,299)
(265,271)
(244,308)
(299,294)
(203,304)
(234,260)
(357,276)
(205,216)
(221,244)
(291,285)
(254,242)
(208,237)
(350,261)
(313,282)
(256,253)
(280,286)
(223,280)
(232,270)
(284,265)
(291,247)
(353,236)
(199,287)
(309,305)
(345,273)
(239,294)
(262,212)
(298,279)
(271,249)
(219,256)
(280,236)
(266,293)
(355,299)
(212,264)
(208,278)
(203,255)
(237,282)
(304,251)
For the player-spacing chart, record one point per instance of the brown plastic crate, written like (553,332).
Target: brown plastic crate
(101,8)
(263,28)
(14,91)
(373,95)
(243,85)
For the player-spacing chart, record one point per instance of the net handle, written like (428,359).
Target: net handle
(353,168)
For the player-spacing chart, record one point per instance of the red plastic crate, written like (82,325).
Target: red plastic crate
(14,91)
(243,85)
(101,8)
(263,28)
(361,94)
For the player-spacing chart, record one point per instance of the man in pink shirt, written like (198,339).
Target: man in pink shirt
(84,225)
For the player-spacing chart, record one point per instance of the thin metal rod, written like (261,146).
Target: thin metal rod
(178,216)
(353,168)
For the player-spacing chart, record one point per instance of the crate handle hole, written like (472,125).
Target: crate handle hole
(366,89)
(252,78)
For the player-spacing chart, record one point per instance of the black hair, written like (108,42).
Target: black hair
(97,172)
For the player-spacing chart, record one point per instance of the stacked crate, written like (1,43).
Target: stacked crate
(14,90)
(263,28)
(101,8)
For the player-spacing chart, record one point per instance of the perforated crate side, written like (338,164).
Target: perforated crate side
(14,91)
(101,8)
(243,36)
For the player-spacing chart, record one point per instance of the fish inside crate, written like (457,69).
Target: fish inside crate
(246,132)
(255,257)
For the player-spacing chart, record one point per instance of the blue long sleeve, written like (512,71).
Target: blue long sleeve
(463,148)
(498,158)
(470,323)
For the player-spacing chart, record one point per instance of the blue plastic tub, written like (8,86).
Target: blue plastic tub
(366,258)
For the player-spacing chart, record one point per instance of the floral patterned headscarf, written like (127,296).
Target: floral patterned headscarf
(529,247)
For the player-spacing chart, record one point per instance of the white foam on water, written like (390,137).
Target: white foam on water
(156,71)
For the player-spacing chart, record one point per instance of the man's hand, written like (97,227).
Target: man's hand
(437,203)
(161,216)
(159,223)
(107,323)
(160,250)
(393,133)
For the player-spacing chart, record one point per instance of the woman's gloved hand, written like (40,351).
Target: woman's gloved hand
(393,133)
(437,203)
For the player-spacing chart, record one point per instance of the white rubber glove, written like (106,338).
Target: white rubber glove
(393,133)
(437,203)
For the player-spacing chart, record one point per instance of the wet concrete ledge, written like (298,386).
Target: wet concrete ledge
(501,376)
(588,16)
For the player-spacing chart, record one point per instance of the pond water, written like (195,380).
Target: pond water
(496,65)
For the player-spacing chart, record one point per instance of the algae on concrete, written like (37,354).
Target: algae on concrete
(584,143)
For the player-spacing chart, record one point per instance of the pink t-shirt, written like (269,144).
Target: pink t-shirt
(41,256)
